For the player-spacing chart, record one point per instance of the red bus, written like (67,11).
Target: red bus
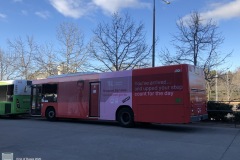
(167,94)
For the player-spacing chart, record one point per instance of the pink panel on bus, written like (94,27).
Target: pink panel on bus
(73,99)
(116,90)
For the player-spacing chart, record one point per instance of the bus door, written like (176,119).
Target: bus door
(36,96)
(94,99)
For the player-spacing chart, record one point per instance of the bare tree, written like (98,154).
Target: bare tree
(73,53)
(197,43)
(2,64)
(236,81)
(226,86)
(22,54)
(229,88)
(7,67)
(46,61)
(119,45)
(211,86)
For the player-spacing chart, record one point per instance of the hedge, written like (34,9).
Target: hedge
(218,111)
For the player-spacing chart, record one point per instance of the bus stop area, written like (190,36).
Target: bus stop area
(38,139)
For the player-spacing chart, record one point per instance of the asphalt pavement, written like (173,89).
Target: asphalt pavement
(39,139)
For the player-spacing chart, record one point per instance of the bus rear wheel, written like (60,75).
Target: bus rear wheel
(125,117)
(50,114)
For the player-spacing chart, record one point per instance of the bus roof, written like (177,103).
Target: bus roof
(88,75)
(71,74)
(10,82)
(7,82)
(67,78)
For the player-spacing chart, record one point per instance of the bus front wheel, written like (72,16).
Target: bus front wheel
(51,114)
(125,117)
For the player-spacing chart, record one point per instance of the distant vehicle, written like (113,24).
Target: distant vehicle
(168,94)
(15,97)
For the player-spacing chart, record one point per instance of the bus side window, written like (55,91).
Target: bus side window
(9,98)
(49,98)
(10,93)
(54,98)
(49,91)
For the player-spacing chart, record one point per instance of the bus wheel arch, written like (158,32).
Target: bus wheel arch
(125,116)
(50,113)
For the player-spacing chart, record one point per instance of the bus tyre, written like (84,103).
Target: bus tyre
(51,114)
(125,117)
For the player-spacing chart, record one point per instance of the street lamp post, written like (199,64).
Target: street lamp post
(154,40)
(153,45)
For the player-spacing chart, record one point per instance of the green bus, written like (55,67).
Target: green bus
(15,97)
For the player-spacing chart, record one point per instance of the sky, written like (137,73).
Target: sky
(40,19)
